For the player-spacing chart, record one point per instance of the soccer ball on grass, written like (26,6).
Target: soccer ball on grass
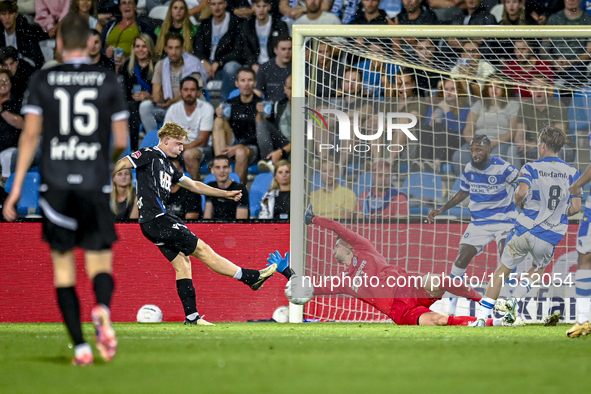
(149,314)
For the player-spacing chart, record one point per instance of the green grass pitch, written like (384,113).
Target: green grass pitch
(299,358)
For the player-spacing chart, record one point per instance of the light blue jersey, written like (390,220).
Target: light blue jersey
(548,199)
(491,192)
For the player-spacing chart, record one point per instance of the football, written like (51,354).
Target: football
(299,291)
(149,314)
(281,314)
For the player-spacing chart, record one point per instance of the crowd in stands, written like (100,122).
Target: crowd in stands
(165,66)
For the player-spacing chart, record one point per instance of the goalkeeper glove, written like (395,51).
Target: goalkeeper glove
(282,263)
(309,216)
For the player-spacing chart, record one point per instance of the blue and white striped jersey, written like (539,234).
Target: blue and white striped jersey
(491,192)
(547,201)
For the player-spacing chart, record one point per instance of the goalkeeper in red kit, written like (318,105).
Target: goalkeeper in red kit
(391,290)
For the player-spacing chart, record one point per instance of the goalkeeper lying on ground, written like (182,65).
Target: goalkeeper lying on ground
(405,305)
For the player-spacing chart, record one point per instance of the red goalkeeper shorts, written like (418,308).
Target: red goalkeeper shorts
(406,311)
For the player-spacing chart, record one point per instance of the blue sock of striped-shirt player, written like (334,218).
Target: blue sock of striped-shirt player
(456,272)
(583,291)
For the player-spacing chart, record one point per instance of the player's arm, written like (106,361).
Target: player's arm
(135,212)
(575,206)
(352,238)
(202,188)
(576,188)
(122,164)
(325,286)
(455,200)
(27,146)
(119,129)
(520,194)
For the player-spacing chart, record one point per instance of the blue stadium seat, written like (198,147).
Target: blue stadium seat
(211,178)
(458,211)
(364,183)
(151,139)
(423,190)
(234,93)
(579,112)
(259,187)
(29,202)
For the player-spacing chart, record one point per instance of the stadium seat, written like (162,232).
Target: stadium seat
(151,139)
(158,12)
(423,190)
(461,210)
(363,184)
(29,202)
(579,113)
(259,187)
(211,178)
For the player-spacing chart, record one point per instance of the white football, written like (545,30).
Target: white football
(149,314)
(299,291)
(281,314)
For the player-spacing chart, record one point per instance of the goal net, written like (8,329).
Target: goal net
(382,119)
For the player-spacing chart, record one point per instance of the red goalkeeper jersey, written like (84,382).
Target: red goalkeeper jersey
(369,277)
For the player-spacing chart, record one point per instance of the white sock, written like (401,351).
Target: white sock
(453,305)
(457,271)
(486,305)
(81,349)
(192,316)
(522,288)
(583,291)
(238,274)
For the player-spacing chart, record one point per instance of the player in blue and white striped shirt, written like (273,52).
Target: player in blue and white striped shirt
(583,275)
(543,193)
(488,180)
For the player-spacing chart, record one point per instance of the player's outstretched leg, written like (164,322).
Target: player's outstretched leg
(106,341)
(253,278)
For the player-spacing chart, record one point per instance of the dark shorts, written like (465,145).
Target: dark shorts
(254,147)
(77,218)
(170,234)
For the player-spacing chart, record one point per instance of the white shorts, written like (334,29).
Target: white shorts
(584,236)
(519,246)
(480,236)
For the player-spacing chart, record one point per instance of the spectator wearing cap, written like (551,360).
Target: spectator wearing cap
(15,31)
(20,71)
(383,200)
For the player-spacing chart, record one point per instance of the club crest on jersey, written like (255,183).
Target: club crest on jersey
(136,154)
(492,179)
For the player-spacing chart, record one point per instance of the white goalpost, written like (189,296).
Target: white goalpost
(381,120)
